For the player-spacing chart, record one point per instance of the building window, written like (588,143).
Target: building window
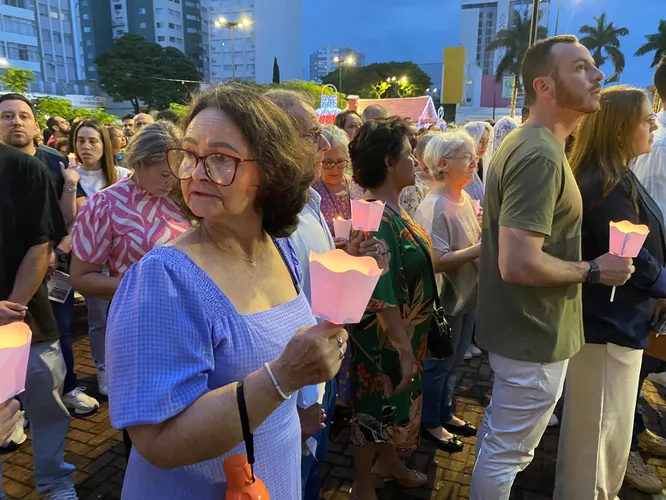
(57,37)
(86,16)
(54,14)
(46,36)
(22,52)
(172,39)
(179,40)
(91,68)
(143,25)
(69,41)
(191,17)
(172,26)
(142,10)
(179,27)
(160,38)
(192,30)
(89,43)
(64,15)
(86,29)
(159,25)
(118,7)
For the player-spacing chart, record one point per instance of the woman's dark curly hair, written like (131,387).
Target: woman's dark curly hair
(376,140)
(285,164)
(341,118)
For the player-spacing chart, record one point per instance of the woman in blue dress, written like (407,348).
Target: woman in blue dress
(218,306)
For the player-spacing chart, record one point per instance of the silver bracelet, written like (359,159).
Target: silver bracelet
(68,190)
(277,386)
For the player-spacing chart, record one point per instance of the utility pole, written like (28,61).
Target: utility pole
(534,27)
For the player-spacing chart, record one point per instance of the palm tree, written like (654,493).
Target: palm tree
(604,38)
(515,40)
(655,42)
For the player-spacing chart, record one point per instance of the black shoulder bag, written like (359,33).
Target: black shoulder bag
(439,336)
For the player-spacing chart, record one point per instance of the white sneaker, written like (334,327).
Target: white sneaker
(17,436)
(476,352)
(553,421)
(658,378)
(101,382)
(468,355)
(63,493)
(80,401)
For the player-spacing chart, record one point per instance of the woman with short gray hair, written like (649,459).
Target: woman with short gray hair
(335,186)
(412,196)
(450,218)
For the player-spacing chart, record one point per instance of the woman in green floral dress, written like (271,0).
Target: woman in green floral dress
(389,344)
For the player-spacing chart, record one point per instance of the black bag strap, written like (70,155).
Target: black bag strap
(438,305)
(245,425)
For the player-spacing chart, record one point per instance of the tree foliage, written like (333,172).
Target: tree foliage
(56,106)
(515,41)
(656,43)
(136,70)
(17,80)
(603,42)
(364,81)
(276,72)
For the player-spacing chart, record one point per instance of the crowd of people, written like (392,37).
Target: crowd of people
(157,221)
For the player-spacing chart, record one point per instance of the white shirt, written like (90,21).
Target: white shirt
(312,234)
(650,168)
(93,181)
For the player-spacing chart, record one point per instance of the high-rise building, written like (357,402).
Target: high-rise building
(183,24)
(274,31)
(324,62)
(44,36)
(481,20)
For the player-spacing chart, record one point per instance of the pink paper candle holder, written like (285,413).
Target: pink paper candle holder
(341,285)
(367,215)
(14,352)
(626,240)
(342,228)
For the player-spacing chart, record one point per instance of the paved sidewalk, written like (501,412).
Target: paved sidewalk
(97,451)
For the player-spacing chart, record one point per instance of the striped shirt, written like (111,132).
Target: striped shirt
(119,225)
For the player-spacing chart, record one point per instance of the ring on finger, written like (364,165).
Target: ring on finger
(342,353)
(340,342)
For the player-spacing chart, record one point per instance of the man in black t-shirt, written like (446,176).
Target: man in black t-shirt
(30,220)
(18,128)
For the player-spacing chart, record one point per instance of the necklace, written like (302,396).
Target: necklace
(242,255)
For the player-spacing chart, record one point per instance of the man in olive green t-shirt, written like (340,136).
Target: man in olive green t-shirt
(529,308)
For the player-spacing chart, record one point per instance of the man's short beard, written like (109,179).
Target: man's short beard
(19,143)
(566,99)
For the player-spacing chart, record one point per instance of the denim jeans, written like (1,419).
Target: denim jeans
(97,328)
(650,365)
(63,316)
(311,465)
(439,375)
(49,419)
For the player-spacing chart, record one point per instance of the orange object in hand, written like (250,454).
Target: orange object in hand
(240,482)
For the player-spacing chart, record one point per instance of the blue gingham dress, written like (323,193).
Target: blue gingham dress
(172,336)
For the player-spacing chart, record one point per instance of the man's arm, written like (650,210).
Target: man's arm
(523,261)
(30,274)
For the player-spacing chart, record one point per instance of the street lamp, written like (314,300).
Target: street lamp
(224,23)
(342,62)
(395,80)
(4,63)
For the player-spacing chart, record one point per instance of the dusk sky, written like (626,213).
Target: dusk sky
(417,30)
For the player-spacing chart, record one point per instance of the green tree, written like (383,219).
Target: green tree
(363,81)
(136,70)
(515,41)
(655,43)
(56,106)
(17,80)
(276,71)
(603,42)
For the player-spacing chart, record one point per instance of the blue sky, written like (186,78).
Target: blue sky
(417,30)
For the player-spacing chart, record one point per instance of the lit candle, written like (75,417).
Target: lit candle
(14,351)
(342,228)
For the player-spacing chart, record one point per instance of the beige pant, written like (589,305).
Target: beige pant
(599,404)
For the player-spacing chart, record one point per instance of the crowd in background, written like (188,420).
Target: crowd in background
(156,220)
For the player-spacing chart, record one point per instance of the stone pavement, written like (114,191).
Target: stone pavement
(97,451)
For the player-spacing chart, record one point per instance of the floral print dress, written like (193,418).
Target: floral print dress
(335,205)
(412,196)
(375,363)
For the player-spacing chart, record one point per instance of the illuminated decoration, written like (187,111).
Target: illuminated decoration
(329,107)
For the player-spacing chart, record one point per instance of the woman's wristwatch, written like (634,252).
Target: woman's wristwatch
(594,278)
